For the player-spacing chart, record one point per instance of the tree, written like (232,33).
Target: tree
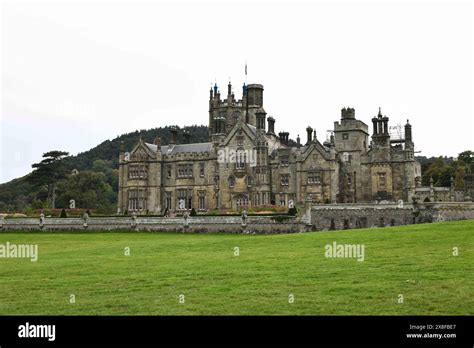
(467,157)
(49,171)
(89,190)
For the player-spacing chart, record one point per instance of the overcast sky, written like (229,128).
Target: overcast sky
(77,73)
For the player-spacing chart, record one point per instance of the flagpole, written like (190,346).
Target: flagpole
(247,120)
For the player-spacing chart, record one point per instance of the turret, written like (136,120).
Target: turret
(408,138)
(347,113)
(255,95)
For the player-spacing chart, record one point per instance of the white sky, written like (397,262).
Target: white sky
(77,73)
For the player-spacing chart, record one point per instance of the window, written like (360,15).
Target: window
(231,181)
(241,160)
(168,200)
(382,182)
(249,180)
(201,169)
(202,200)
(314,178)
(257,199)
(185,170)
(240,140)
(137,172)
(345,136)
(241,201)
(137,200)
(168,171)
(285,161)
(284,180)
(185,199)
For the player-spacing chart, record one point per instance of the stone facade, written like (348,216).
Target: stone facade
(349,167)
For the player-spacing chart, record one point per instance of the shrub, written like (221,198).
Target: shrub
(63,213)
(193,212)
(292,211)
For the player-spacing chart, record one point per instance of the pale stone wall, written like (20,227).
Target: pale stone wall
(315,218)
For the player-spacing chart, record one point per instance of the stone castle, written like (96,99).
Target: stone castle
(245,163)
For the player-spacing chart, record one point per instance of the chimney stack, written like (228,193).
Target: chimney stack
(174,134)
(186,135)
(284,136)
(271,125)
(309,132)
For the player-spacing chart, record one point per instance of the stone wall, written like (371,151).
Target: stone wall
(346,216)
(199,224)
(315,218)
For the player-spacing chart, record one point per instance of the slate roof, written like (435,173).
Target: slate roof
(182,148)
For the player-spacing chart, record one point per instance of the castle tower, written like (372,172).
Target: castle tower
(350,143)
(254,95)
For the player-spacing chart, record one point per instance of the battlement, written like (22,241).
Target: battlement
(234,103)
(348,113)
(350,124)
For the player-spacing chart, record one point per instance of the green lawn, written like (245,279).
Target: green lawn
(415,261)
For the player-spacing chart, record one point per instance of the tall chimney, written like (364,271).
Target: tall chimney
(186,135)
(174,134)
(309,132)
(271,125)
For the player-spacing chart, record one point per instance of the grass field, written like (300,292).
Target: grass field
(416,261)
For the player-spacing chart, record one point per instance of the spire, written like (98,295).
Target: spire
(380,112)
